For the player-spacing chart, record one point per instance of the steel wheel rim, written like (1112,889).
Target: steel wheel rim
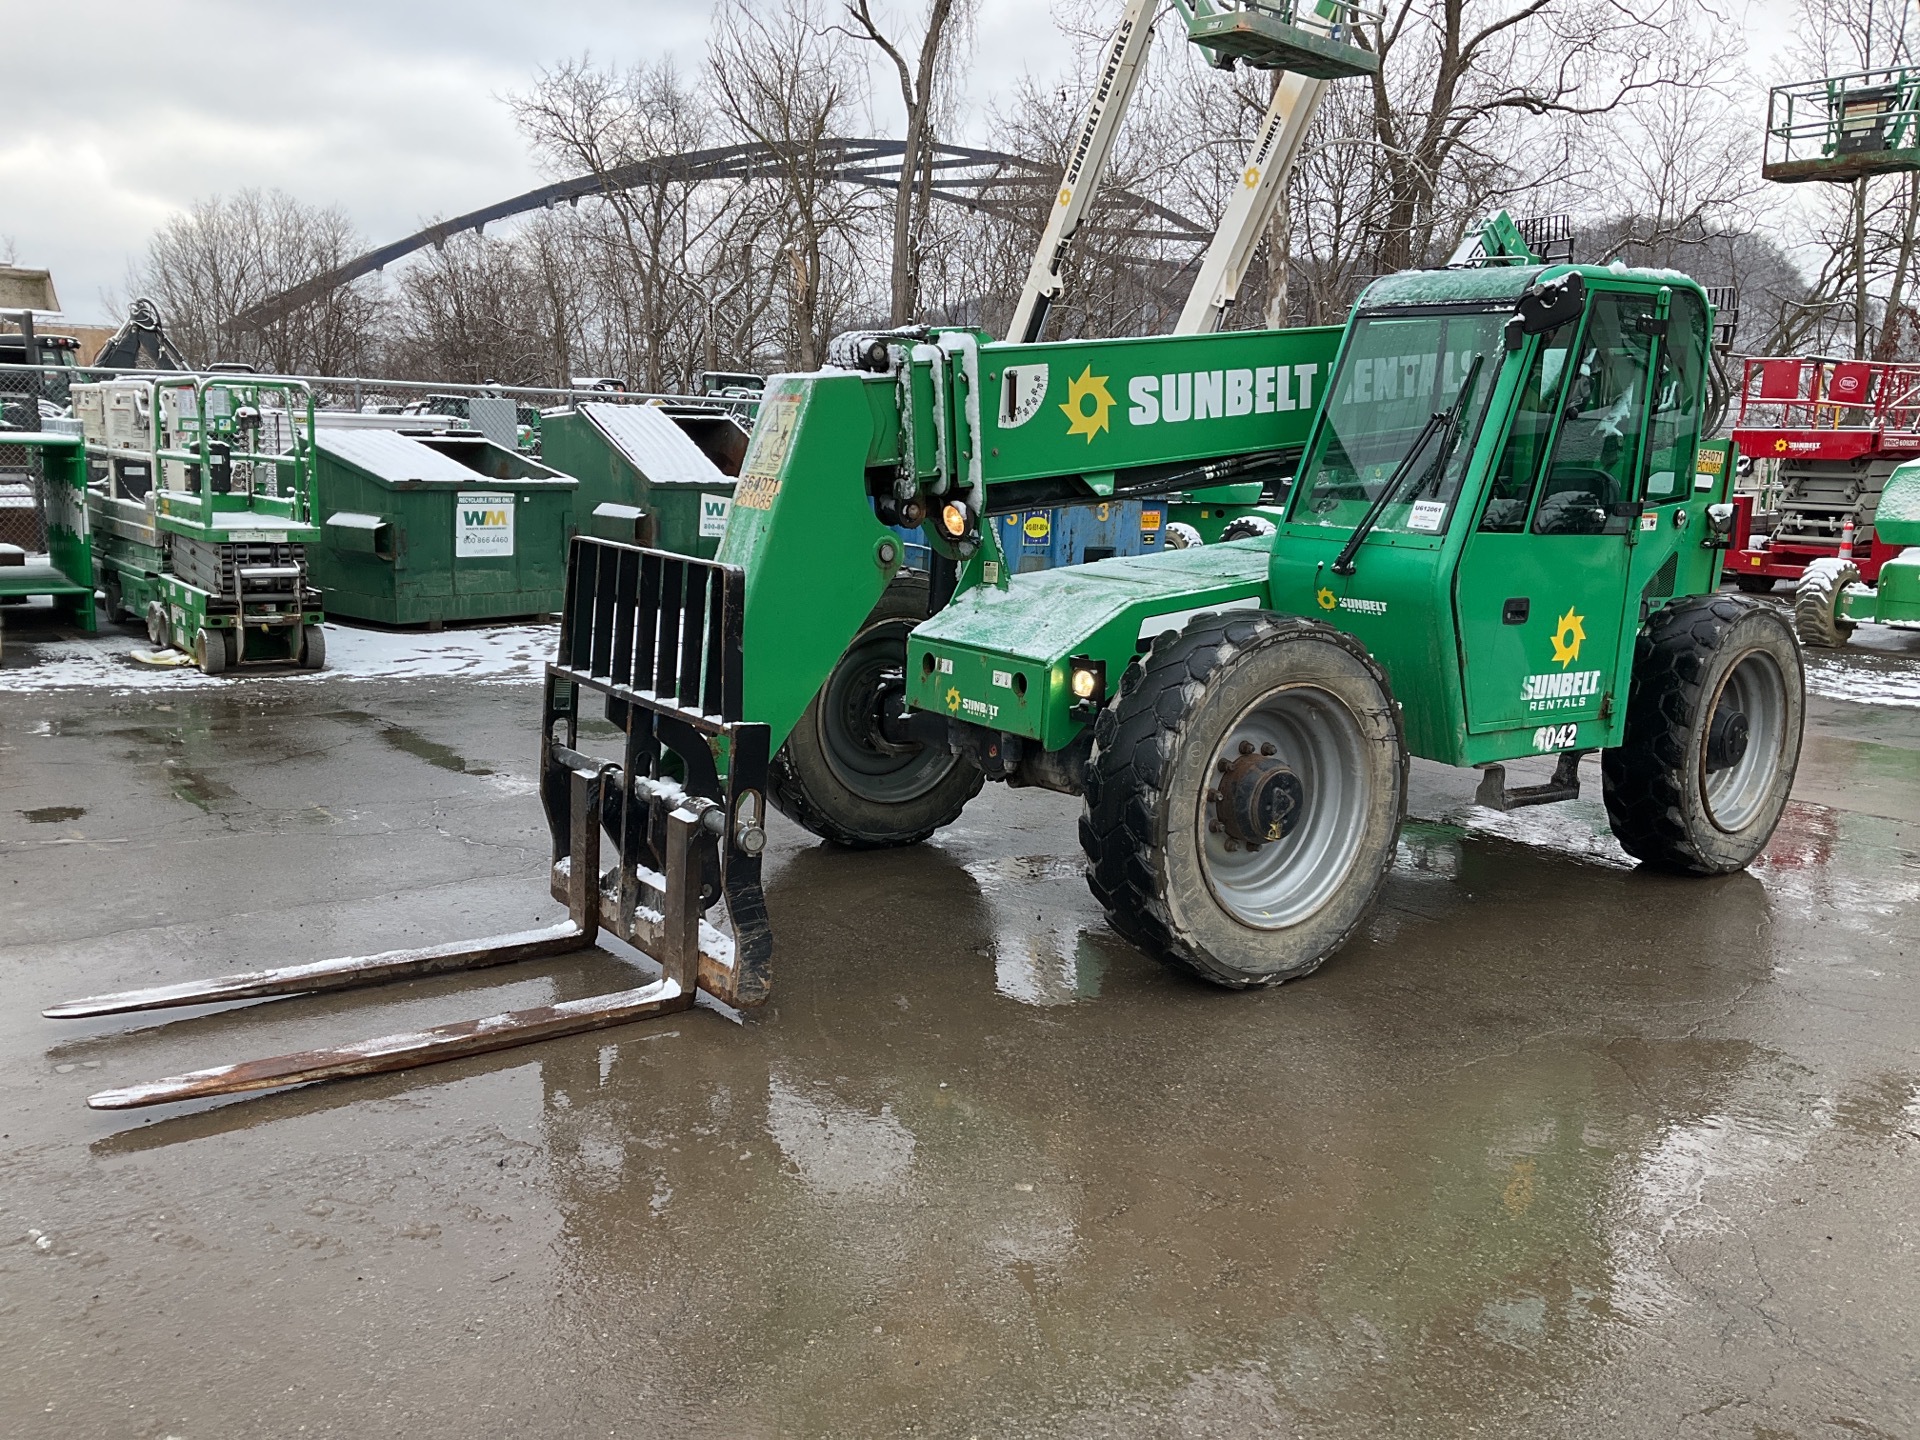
(1288,881)
(1735,797)
(857,756)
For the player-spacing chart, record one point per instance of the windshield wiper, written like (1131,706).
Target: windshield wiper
(1442,422)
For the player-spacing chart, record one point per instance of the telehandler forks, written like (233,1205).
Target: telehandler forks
(658,636)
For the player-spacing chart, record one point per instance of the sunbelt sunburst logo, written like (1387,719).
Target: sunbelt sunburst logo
(1087,404)
(1565,688)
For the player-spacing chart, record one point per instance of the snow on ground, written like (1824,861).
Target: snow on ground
(1880,667)
(502,654)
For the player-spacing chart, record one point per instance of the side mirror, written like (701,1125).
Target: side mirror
(1719,526)
(1546,307)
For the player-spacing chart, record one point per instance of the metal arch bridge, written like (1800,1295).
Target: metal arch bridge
(961,175)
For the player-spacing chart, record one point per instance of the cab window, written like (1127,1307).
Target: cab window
(1518,469)
(1596,458)
(1677,394)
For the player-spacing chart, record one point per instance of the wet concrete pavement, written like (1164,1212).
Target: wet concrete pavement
(1553,1148)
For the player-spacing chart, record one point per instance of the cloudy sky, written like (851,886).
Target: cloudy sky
(393,110)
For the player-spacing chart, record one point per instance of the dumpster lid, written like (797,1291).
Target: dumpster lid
(388,456)
(658,448)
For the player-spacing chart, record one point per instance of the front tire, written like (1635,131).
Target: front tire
(1712,740)
(1816,603)
(313,648)
(838,776)
(1168,855)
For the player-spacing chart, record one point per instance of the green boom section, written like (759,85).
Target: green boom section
(1095,410)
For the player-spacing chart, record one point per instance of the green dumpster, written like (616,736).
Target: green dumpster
(428,529)
(643,476)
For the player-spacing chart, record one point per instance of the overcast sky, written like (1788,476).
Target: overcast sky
(393,110)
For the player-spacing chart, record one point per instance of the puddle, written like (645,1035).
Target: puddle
(196,787)
(411,742)
(53,814)
(838,1150)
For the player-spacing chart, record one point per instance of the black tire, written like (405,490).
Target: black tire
(1154,861)
(1816,603)
(1246,527)
(159,632)
(1754,584)
(1700,662)
(837,778)
(313,648)
(210,650)
(110,597)
(1178,535)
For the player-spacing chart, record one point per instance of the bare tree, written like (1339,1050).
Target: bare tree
(225,254)
(780,81)
(922,84)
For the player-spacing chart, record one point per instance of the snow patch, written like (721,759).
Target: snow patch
(497,655)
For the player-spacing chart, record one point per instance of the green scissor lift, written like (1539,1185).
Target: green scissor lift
(67,572)
(201,505)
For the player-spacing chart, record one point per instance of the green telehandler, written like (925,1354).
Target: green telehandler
(1497,534)
(1503,541)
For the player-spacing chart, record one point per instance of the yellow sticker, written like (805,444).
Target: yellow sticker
(1149,519)
(1710,462)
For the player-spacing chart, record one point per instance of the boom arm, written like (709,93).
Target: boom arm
(1263,180)
(1086,165)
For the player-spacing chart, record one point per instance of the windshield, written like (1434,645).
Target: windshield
(1397,371)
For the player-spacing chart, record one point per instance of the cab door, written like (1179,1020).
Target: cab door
(1540,593)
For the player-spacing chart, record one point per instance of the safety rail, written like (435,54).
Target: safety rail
(1843,126)
(1318,38)
(1815,393)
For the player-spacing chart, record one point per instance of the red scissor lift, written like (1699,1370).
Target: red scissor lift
(1838,428)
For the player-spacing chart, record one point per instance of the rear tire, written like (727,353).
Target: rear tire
(836,777)
(1247,527)
(1816,603)
(159,633)
(1678,795)
(1179,535)
(1193,896)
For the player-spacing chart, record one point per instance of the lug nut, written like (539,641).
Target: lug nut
(1233,845)
(1246,747)
(1269,748)
(1214,827)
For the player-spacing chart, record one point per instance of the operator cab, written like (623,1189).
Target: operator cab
(1507,457)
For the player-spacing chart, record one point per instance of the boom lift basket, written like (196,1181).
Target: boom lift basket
(1307,37)
(683,805)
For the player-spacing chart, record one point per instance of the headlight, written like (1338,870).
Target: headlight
(1087,679)
(955,520)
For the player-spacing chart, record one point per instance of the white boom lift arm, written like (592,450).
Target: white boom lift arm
(1263,178)
(1086,166)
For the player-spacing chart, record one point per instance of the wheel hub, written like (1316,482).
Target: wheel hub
(1727,739)
(1259,798)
